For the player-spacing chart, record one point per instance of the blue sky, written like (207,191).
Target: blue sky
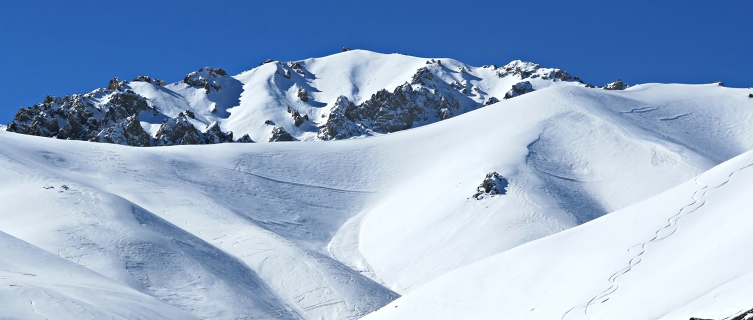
(62,47)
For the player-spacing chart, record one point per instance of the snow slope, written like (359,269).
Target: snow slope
(35,284)
(338,229)
(674,256)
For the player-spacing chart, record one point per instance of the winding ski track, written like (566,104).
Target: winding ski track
(672,226)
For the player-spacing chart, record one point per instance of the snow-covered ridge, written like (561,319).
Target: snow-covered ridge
(352,94)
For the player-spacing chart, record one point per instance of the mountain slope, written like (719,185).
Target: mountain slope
(673,256)
(36,284)
(341,228)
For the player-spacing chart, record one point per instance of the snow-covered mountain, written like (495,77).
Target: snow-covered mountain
(351,94)
(452,219)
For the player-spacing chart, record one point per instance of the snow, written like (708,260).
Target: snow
(339,229)
(673,256)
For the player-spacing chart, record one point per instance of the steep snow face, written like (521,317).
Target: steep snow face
(384,93)
(674,256)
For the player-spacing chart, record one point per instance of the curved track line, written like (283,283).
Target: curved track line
(672,226)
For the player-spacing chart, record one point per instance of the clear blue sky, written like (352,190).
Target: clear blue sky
(66,47)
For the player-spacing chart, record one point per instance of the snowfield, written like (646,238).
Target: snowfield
(617,204)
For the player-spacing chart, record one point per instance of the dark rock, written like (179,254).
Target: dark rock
(303,95)
(386,112)
(298,119)
(296,67)
(268,122)
(719,83)
(345,49)
(213,134)
(207,78)
(148,79)
(279,134)
(519,88)
(590,86)
(266,61)
(178,130)
(245,139)
(116,84)
(493,184)
(491,100)
(750,95)
(127,132)
(617,85)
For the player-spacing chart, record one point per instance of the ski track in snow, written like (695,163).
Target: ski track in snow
(699,200)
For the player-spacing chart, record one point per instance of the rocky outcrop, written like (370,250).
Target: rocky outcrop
(387,112)
(493,184)
(148,79)
(617,85)
(526,70)
(519,88)
(279,134)
(490,101)
(245,139)
(82,119)
(177,131)
(207,78)
(298,119)
(213,134)
(127,132)
(303,95)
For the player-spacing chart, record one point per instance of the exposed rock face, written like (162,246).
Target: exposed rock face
(719,83)
(298,119)
(519,88)
(303,95)
(116,84)
(617,85)
(279,134)
(148,79)
(245,139)
(296,67)
(491,100)
(208,78)
(387,111)
(526,70)
(109,121)
(213,134)
(128,132)
(178,130)
(493,184)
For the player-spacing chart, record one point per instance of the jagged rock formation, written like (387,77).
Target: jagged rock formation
(436,91)
(83,119)
(617,85)
(207,77)
(245,139)
(148,79)
(213,134)
(303,95)
(493,184)
(279,134)
(111,116)
(519,88)
(128,132)
(386,112)
(298,119)
(532,70)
